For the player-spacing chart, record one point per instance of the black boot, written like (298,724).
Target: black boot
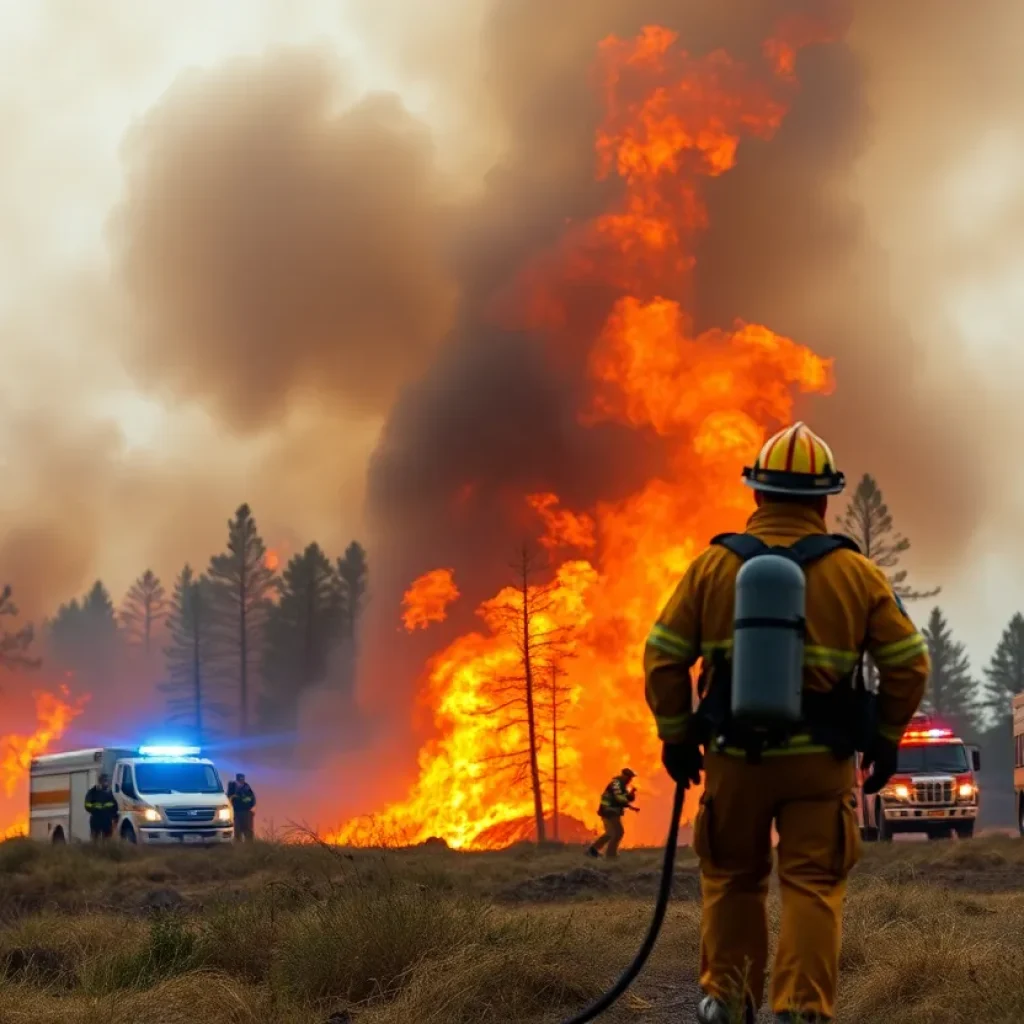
(801,1018)
(591,852)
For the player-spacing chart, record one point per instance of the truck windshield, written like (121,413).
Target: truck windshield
(167,777)
(934,757)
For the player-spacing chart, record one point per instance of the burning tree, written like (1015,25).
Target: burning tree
(526,614)
(242,587)
(143,608)
(188,656)
(558,707)
(14,644)
(868,521)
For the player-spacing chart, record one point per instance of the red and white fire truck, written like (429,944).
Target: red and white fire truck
(934,791)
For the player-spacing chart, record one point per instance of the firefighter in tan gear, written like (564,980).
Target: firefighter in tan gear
(803,779)
(616,799)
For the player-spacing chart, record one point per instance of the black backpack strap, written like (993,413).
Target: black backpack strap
(743,545)
(817,546)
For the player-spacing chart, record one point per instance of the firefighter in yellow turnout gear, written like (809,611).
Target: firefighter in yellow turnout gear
(803,782)
(616,799)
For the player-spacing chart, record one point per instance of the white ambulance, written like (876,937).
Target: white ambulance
(165,795)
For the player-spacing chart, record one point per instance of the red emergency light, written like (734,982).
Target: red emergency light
(927,735)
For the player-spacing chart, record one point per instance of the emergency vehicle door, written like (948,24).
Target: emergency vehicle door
(975,758)
(79,815)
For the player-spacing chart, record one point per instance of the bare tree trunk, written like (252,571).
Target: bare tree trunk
(554,752)
(531,717)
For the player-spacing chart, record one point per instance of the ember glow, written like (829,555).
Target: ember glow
(704,400)
(427,599)
(54,713)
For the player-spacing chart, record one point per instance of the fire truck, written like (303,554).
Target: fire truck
(1018,758)
(934,791)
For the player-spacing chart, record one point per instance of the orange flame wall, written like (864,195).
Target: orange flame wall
(705,399)
(54,713)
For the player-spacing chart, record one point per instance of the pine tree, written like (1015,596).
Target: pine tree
(188,683)
(84,636)
(1005,672)
(352,580)
(14,644)
(868,521)
(952,692)
(242,588)
(300,634)
(143,608)
(352,573)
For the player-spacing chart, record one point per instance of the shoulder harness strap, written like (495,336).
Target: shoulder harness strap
(817,546)
(744,545)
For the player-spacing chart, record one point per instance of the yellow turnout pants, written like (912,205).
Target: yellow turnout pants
(810,799)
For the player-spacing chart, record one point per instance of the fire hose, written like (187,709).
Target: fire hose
(630,974)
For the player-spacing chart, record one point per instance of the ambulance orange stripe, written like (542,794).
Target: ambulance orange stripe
(49,797)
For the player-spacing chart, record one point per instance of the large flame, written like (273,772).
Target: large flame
(54,713)
(704,399)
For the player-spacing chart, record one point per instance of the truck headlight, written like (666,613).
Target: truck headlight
(966,790)
(151,815)
(224,814)
(897,792)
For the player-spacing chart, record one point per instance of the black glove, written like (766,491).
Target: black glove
(880,764)
(683,761)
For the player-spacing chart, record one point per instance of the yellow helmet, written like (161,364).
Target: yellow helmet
(795,461)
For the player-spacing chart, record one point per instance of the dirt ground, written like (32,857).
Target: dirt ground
(287,934)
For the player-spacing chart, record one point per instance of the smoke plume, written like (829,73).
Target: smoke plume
(278,238)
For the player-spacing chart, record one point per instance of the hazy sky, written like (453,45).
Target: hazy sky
(87,453)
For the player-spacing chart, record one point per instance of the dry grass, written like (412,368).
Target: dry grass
(303,935)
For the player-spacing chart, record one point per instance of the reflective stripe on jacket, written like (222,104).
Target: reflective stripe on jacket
(100,802)
(849,602)
(615,798)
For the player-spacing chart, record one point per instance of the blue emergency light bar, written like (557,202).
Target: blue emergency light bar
(169,751)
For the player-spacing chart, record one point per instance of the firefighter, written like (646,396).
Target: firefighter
(102,808)
(243,802)
(617,798)
(803,781)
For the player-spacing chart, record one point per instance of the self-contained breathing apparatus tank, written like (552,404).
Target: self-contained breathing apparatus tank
(768,641)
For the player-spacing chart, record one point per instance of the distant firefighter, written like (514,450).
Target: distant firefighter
(243,802)
(102,808)
(615,800)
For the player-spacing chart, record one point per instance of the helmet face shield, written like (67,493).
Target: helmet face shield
(795,462)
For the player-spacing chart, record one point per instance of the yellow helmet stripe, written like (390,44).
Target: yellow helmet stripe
(796,449)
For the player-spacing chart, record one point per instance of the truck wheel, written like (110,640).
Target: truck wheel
(965,829)
(58,838)
(1020,815)
(884,828)
(868,834)
(128,833)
